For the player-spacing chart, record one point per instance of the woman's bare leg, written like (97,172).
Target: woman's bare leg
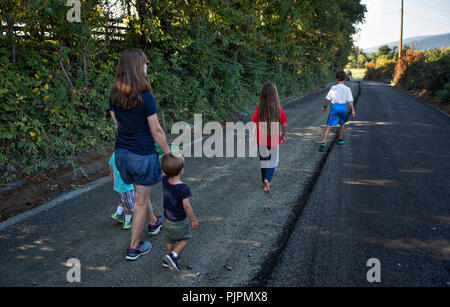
(150,214)
(141,205)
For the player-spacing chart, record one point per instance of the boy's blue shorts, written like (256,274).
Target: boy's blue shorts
(337,112)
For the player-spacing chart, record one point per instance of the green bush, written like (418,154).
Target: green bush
(43,122)
(416,71)
(444,94)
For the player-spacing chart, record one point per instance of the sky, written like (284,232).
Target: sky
(421,17)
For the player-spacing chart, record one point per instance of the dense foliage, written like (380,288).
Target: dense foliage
(208,57)
(428,70)
(415,71)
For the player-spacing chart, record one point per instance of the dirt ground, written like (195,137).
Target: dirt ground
(40,187)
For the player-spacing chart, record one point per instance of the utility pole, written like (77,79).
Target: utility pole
(401,32)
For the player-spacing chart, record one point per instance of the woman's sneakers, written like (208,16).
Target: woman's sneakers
(172,262)
(153,230)
(340,142)
(143,248)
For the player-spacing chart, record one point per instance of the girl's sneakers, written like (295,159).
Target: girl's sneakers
(143,248)
(127,225)
(118,217)
(121,219)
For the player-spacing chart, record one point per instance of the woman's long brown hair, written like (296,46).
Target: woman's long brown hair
(268,104)
(131,80)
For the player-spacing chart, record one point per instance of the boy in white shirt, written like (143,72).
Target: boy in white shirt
(339,95)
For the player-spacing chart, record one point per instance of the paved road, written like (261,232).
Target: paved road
(240,226)
(384,194)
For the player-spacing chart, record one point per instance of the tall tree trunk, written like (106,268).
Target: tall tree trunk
(11,37)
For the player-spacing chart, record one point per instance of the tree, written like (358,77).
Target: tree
(362,60)
(384,50)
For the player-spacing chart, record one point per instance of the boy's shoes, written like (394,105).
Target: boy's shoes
(127,225)
(172,261)
(340,142)
(118,217)
(153,230)
(164,263)
(143,248)
(322,147)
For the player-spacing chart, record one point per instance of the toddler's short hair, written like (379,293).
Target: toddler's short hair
(341,75)
(172,163)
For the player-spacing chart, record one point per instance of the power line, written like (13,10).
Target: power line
(434,21)
(432,7)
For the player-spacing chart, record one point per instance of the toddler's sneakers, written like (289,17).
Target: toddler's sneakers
(172,262)
(143,248)
(153,230)
(164,263)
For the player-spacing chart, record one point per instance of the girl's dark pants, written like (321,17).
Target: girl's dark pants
(266,173)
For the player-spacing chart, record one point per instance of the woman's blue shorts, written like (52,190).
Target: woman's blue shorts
(138,169)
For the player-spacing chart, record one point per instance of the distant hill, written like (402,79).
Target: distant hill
(419,42)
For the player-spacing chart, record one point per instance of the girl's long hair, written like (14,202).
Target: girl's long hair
(131,80)
(268,104)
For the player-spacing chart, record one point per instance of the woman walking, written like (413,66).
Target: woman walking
(134,112)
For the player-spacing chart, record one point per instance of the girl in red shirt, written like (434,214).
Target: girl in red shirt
(268,117)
